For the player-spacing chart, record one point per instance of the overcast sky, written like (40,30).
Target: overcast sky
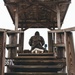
(6,22)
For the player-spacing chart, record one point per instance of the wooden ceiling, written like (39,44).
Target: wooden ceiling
(37,13)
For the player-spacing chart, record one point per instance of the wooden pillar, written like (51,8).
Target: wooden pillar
(16,19)
(2,52)
(60,42)
(70,54)
(58,17)
(50,42)
(12,47)
(21,41)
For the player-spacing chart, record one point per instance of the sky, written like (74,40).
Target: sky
(6,22)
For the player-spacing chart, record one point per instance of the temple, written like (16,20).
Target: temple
(59,59)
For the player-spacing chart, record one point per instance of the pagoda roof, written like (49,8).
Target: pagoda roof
(37,13)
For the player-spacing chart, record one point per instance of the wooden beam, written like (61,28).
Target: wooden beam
(70,29)
(63,30)
(58,17)
(13,32)
(11,46)
(36,21)
(37,25)
(16,19)
(33,23)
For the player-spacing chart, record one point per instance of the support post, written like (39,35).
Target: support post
(2,52)
(58,17)
(16,19)
(21,41)
(60,41)
(12,46)
(50,42)
(12,41)
(70,54)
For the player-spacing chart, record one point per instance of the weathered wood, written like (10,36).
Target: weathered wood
(40,62)
(63,30)
(12,40)
(35,66)
(21,42)
(60,38)
(38,68)
(59,44)
(16,18)
(46,10)
(12,50)
(9,32)
(35,73)
(70,53)
(32,57)
(58,17)
(50,42)
(70,29)
(36,57)
(2,51)
(11,46)
(33,54)
(60,52)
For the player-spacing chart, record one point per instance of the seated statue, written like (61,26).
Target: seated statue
(36,42)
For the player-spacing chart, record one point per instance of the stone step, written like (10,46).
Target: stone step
(35,68)
(34,73)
